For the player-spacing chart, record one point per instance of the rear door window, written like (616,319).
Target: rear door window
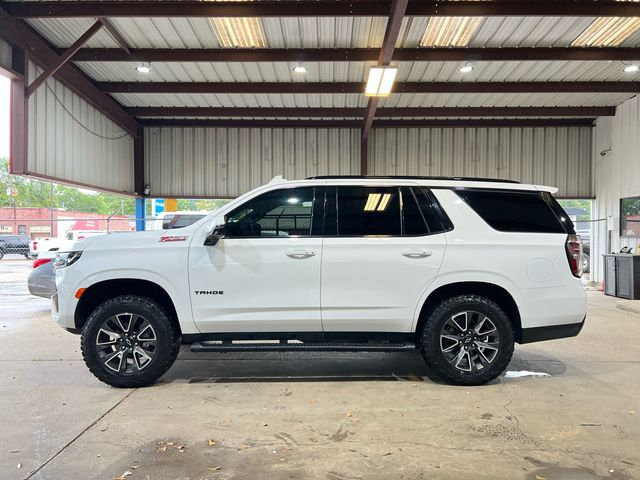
(513,211)
(368,211)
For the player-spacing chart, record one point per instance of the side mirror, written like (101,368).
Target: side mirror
(214,237)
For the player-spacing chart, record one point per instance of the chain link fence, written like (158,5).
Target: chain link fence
(595,242)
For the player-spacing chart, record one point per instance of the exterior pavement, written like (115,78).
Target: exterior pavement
(320,416)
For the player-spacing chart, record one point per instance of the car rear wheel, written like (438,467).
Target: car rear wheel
(467,340)
(129,341)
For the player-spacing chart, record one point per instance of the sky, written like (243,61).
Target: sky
(4,116)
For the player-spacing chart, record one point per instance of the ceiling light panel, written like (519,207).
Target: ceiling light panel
(380,81)
(240,32)
(450,31)
(607,32)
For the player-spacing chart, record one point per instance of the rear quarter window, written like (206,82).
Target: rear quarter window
(511,211)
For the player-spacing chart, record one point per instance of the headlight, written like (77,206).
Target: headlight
(65,259)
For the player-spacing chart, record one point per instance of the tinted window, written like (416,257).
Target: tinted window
(436,219)
(510,211)
(368,211)
(412,220)
(279,213)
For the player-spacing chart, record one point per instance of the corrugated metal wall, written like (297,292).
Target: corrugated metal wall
(72,141)
(558,156)
(226,162)
(617,172)
(5,54)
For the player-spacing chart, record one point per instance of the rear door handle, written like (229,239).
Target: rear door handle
(300,253)
(416,253)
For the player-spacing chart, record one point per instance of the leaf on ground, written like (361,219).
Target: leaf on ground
(349,414)
(538,477)
(124,476)
(214,469)
(211,442)
(20,465)
(133,467)
(632,412)
(14,451)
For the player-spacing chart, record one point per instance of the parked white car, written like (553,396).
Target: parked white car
(460,269)
(43,244)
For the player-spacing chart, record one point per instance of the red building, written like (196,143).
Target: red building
(43,222)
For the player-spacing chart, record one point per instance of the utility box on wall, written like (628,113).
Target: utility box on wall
(622,275)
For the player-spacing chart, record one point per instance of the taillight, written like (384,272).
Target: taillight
(40,261)
(35,246)
(574,254)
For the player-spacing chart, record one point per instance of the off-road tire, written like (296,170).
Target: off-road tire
(168,341)
(430,344)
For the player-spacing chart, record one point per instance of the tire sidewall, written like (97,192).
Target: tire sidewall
(167,342)
(430,344)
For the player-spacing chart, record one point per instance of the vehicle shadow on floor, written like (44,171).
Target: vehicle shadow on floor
(265,367)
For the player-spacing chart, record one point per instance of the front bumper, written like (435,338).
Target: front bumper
(540,334)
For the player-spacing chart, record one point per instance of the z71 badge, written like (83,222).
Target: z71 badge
(173,238)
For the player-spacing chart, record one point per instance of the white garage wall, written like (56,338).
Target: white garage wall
(557,156)
(226,162)
(72,141)
(617,173)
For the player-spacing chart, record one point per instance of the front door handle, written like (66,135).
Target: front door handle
(300,253)
(416,253)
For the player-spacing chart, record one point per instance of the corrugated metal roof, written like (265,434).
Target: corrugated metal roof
(358,100)
(242,100)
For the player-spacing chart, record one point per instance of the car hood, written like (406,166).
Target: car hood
(129,240)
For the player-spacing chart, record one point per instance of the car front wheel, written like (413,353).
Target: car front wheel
(129,341)
(467,340)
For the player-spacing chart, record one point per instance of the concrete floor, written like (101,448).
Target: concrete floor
(327,416)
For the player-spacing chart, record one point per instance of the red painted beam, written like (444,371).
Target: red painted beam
(68,53)
(17,33)
(439,123)
(461,54)
(398,9)
(358,87)
(333,8)
(418,112)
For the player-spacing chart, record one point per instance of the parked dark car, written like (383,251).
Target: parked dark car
(14,244)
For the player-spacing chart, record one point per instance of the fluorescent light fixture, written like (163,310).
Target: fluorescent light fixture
(380,81)
(384,202)
(632,68)
(466,68)
(372,202)
(607,32)
(450,31)
(377,201)
(292,200)
(239,32)
(299,68)
(144,67)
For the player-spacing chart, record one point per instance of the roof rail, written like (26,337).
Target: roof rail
(412,177)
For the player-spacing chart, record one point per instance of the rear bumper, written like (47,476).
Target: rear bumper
(540,334)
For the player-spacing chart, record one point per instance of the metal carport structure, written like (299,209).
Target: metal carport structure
(214,121)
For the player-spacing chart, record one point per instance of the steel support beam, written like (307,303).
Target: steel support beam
(18,114)
(423,112)
(138,164)
(398,9)
(17,33)
(455,54)
(442,123)
(62,59)
(113,31)
(358,87)
(292,8)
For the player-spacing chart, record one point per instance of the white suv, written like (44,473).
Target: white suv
(460,269)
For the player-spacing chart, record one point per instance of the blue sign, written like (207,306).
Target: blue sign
(158,206)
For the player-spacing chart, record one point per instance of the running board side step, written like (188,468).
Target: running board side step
(200,347)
